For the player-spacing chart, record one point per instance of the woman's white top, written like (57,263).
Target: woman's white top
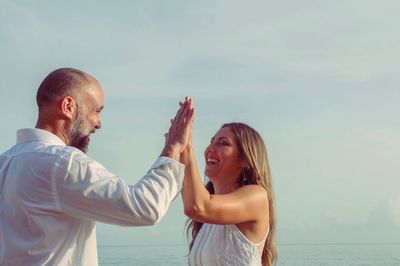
(217,244)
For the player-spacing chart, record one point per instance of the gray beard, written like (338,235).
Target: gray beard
(78,135)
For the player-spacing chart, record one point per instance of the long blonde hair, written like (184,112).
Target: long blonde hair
(253,151)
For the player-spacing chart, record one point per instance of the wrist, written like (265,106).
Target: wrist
(171,151)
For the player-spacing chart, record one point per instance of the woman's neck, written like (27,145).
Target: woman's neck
(224,187)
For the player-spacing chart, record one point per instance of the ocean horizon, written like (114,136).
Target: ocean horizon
(342,254)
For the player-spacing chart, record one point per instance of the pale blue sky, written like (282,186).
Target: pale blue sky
(318,79)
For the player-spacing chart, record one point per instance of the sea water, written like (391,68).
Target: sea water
(289,255)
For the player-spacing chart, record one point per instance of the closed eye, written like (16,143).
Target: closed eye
(98,110)
(224,142)
(221,142)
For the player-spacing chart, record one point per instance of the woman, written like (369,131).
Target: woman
(232,218)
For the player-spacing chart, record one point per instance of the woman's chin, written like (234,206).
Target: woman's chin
(210,174)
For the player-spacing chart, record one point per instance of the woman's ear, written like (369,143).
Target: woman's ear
(68,107)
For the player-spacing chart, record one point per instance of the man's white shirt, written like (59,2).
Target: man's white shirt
(52,194)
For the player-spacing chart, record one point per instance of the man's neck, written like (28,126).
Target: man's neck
(57,129)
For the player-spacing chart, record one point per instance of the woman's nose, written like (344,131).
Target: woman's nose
(210,148)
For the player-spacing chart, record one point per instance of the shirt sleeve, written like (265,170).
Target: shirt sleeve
(86,190)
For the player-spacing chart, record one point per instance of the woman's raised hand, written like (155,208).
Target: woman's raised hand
(180,131)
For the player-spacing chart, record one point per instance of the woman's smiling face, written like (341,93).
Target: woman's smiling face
(222,156)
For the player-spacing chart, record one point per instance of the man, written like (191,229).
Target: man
(51,192)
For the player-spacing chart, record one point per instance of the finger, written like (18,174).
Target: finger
(191,116)
(184,114)
(183,104)
(180,116)
(188,115)
(189,119)
(188,107)
(186,100)
(179,113)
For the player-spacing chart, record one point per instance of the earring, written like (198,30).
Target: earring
(244,180)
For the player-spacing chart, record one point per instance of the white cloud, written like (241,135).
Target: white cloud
(387,214)
(395,207)
(385,136)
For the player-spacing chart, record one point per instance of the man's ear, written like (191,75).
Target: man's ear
(68,107)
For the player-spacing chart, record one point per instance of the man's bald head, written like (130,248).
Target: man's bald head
(70,102)
(62,82)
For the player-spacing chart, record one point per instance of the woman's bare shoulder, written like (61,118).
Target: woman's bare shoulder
(254,191)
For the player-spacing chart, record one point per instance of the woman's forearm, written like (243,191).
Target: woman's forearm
(195,196)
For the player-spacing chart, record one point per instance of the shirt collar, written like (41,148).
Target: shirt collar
(37,134)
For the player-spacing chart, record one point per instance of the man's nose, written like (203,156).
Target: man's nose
(98,124)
